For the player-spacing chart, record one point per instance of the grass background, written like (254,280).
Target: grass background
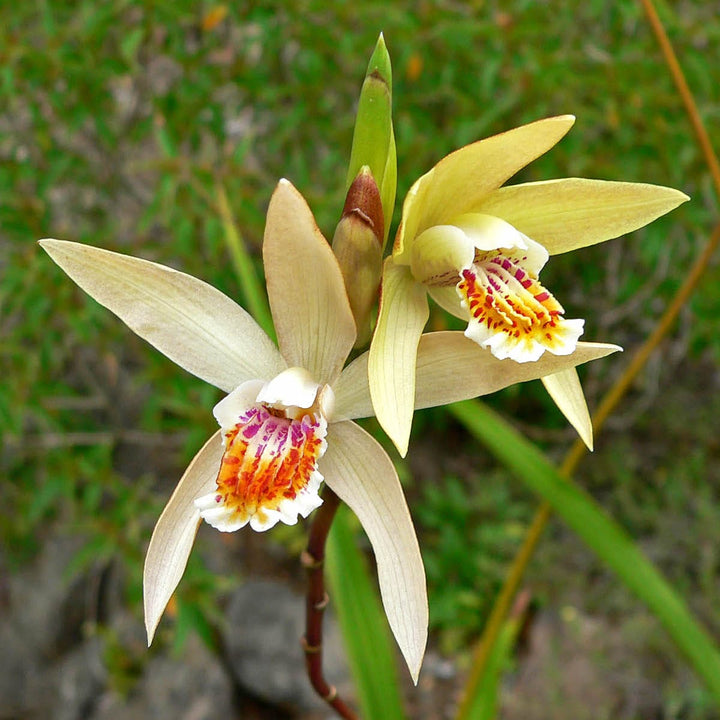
(119,119)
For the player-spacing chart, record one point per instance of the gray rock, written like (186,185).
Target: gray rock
(265,621)
(79,679)
(48,606)
(193,686)
(43,613)
(20,674)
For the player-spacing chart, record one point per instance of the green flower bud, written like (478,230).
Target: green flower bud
(373,138)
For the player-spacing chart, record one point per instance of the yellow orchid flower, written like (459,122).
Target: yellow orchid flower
(286,423)
(477,248)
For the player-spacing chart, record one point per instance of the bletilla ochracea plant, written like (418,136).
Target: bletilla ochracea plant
(286,424)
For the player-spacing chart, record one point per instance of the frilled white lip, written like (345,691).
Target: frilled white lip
(273,437)
(510,312)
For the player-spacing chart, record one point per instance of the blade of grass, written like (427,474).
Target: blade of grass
(602,535)
(362,621)
(252,287)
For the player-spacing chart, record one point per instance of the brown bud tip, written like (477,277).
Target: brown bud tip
(363,202)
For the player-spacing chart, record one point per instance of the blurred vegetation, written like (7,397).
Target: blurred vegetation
(118,122)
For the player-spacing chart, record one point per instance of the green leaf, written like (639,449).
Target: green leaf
(484,705)
(365,631)
(600,532)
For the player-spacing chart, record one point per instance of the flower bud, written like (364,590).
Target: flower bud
(358,246)
(373,138)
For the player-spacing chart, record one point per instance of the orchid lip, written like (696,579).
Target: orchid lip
(511,313)
(268,472)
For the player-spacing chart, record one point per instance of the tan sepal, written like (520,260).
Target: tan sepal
(175,531)
(311,311)
(451,367)
(359,471)
(195,325)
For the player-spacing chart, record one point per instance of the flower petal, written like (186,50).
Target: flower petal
(360,472)
(460,180)
(391,367)
(571,213)
(174,533)
(352,392)
(311,311)
(566,391)
(451,367)
(191,322)
(488,233)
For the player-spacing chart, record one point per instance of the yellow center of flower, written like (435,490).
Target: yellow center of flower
(511,312)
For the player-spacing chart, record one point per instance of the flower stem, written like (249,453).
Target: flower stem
(684,91)
(313,560)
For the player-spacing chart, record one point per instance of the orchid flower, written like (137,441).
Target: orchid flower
(478,248)
(286,424)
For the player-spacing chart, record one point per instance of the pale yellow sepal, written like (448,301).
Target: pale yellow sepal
(462,179)
(310,308)
(358,470)
(451,367)
(175,531)
(571,213)
(391,367)
(189,321)
(566,391)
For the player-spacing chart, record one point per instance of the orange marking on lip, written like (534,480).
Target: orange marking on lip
(267,459)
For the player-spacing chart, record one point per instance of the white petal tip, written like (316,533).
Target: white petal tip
(150,630)
(415,673)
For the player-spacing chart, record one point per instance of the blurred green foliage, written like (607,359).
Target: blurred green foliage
(471,530)
(117,121)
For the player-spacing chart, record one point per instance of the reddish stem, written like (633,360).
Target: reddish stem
(313,560)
